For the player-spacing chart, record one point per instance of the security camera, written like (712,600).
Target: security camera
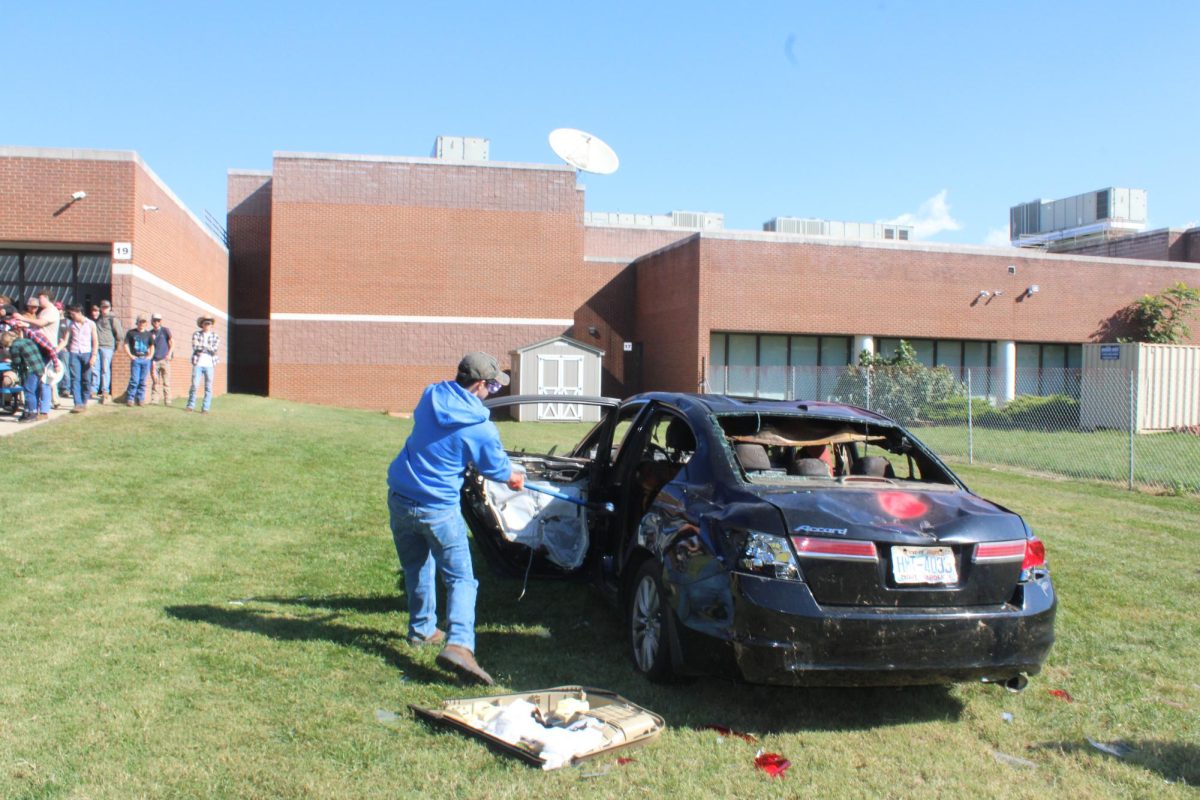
(79,195)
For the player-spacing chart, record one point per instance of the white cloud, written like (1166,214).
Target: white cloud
(997,237)
(933,217)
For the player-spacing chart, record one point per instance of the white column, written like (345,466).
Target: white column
(861,343)
(1006,360)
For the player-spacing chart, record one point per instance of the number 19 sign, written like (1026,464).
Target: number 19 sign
(122,251)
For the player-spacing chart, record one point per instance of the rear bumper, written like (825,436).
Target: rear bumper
(782,636)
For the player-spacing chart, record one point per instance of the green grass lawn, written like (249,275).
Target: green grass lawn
(210,607)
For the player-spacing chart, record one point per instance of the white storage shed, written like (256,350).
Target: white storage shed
(1165,381)
(558,367)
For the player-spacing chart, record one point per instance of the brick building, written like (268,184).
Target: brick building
(726,309)
(89,225)
(384,270)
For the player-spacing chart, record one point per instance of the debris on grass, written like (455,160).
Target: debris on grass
(1007,716)
(1013,761)
(1115,749)
(724,731)
(772,763)
(389,718)
(623,760)
(1061,694)
(599,773)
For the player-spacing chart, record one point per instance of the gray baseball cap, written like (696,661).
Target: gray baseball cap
(481,367)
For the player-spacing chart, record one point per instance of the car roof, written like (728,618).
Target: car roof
(725,404)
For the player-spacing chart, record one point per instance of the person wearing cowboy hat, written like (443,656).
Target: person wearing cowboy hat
(205,347)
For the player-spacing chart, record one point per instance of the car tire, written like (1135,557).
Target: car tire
(647,625)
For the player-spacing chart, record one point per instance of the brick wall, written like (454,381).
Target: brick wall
(35,194)
(176,247)
(668,315)
(173,254)
(381,365)
(627,243)
(415,238)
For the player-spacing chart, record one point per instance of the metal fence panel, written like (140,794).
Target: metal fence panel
(1068,422)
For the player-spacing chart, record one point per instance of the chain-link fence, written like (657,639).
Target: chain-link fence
(1087,424)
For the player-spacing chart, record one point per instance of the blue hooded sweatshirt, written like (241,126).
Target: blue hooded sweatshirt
(451,429)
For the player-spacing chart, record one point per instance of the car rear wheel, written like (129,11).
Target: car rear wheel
(647,607)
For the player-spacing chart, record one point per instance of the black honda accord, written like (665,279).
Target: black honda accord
(796,543)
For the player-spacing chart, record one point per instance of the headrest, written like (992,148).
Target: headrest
(752,457)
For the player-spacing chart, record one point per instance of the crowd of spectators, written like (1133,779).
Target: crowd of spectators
(51,357)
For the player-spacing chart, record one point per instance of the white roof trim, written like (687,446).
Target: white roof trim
(417,160)
(134,271)
(293,317)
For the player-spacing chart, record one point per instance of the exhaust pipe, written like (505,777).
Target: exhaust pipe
(1016,684)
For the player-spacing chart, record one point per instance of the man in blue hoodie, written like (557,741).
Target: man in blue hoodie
(451,430)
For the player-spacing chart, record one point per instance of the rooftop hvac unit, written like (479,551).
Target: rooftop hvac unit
(461,148)
(832,229)
(701,220)
(1111,209)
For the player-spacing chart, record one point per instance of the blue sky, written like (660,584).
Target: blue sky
(949,112)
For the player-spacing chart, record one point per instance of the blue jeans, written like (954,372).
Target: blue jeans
(430,541)
(81,378)
(139,376)
(37,395)
(207,373)
(102,372)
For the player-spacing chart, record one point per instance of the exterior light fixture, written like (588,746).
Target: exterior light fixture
(1032,290)
(77,196)
(984,293)
(149,208)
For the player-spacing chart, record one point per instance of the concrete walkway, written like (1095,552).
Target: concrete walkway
(9,425)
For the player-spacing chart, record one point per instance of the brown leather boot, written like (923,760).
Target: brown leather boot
(461,662)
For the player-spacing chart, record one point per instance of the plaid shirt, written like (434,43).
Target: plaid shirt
(41,340)
(205,343)
(26,357)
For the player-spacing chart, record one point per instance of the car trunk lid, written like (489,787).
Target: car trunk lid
(902,547)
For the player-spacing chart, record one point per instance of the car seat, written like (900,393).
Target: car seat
(873,467)
(681,442)
(809,468)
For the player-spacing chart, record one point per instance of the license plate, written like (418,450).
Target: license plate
(924,565)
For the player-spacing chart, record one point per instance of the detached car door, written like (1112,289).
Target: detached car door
(544,530)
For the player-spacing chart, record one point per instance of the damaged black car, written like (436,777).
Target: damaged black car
(790,543)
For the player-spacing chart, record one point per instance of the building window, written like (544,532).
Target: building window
(776,366)
(71,277)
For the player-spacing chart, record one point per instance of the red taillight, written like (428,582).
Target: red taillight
(1035,553)
(816,547)
(1011,550)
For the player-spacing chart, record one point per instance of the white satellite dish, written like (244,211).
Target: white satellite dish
(583,151)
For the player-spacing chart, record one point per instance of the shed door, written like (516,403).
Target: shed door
(560,375)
